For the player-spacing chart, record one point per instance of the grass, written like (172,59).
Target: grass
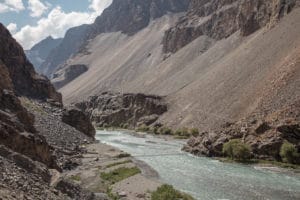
(119,174)
(167,192)
(111,195)
(118,163)
(123,155)
(75,178)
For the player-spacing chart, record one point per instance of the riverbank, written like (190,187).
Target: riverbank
(200,176)
(275,166)
(100,159)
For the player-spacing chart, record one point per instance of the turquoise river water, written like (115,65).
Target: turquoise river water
(204,178)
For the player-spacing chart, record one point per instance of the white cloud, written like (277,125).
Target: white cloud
(58,22)
(99,5)
(12,27)
(11,5)
(36,8)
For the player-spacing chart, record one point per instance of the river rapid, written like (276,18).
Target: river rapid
(205,178)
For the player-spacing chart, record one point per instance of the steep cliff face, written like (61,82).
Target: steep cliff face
(25,81)
(117,110)
(126,16)
(39,52)
(16,123)
(220,19)
(130,16)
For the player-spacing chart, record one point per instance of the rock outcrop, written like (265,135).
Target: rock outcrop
(67,74)
(117,110)
(25,81)
(220,19)
(264,134)
(30,119)
(80,121)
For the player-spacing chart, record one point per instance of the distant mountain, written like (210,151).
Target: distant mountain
(39,52)
(215,63)
(126,16)
(70,44)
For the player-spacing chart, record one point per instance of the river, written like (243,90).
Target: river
(205,178)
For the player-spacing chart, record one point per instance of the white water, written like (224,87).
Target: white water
(204,178)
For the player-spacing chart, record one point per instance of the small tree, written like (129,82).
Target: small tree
(236,150)
(194,132)
(165,131)
(288,153)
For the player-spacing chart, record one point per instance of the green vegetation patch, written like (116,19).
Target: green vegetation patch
(117,163)
(289,153)
(237,150)
(167,192)
(123,155)
(120,174)
(75,178)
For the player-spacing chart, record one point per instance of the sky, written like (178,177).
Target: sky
(31,21)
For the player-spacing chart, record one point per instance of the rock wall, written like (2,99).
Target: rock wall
(115,109)
(264,134)
(25,81)
(219,19)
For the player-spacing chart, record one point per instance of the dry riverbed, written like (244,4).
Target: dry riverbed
(99,173)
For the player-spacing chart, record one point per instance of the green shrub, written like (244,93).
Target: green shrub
(167,192)
(120,174)
(288,153)
(165,131)
(182,132)
(155,130)
(194,132)
(236,150)
(126,126)
(143,128)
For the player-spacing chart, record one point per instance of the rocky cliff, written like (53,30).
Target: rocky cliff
(33,138)
(119,110)
(220,19)
(128,17)
(24,80)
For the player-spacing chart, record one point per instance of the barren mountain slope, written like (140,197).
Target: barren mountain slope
(224,83)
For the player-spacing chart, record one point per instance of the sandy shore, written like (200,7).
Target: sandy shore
(104,158)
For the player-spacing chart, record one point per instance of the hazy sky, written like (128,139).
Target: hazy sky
(30,21)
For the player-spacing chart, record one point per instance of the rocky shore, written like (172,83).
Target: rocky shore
(263,133)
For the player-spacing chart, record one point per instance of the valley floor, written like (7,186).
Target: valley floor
(101,158)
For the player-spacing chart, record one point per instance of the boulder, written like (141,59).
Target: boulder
(79,121)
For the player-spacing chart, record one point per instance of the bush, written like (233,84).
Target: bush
(165,131)
(155,130)
(124,126)
(182,132)
(194,132)
(288,153)
(236,150)
(167,192)
(143,128)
